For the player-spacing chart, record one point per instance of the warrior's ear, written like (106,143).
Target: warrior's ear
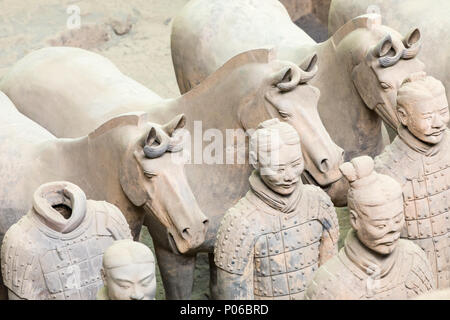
(402,115)
(354,220)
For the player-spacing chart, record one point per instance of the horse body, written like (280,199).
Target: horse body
(108,164)
(237,97)
(347,110)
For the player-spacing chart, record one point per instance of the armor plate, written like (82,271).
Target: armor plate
(39,263)
(283,248)
(340,278)
(426,201)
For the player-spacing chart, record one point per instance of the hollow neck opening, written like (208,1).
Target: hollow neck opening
(64,210)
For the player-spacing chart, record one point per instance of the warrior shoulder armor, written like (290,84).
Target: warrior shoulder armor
(236,238)
(110,220)
(20,260)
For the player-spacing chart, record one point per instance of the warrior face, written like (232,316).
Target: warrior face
(379,227)
(276,152)
(131,282)
(423,109)
(129,271)
(282,177)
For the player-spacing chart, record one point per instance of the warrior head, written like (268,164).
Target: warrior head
(422,107)
(375,202)
(276,153)
(128,271)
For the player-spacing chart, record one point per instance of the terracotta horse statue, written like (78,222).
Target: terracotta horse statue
(431,17)
(71,91)
(361,65)
(119,162)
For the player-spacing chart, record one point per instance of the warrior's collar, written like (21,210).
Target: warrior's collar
(52,194)
(419,146)
(370,262)
(284,204)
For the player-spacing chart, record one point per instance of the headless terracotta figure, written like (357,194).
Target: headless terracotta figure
(419,159)
(273,240)
(55,251)
(374,262)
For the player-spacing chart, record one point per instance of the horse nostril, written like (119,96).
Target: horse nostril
(205,225)
(186,234)
(324,166)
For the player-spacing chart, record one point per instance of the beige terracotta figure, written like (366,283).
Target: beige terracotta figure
(443,294)
(55,251)
(431,17)
(360,66)
(126,161)
(419,159)
(128,272)
(273,240)
(59,88)
(374,262)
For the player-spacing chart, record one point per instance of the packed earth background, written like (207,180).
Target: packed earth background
(135,36)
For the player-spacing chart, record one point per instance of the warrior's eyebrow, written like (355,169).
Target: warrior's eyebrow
(282,165)
(150,275)
(123,280)
(384,219)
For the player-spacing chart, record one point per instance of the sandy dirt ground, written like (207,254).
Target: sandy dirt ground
(133,34)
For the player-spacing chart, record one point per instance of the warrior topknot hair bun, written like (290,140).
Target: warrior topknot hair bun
(367,187)
(357,169)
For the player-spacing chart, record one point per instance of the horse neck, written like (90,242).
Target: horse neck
(78,161)
(214,107)
(340,97)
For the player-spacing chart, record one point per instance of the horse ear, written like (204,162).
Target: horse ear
(176,123)
(309,63)
(412,37)
(130,175)
(382,47)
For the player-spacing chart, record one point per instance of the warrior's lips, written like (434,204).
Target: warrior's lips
(437,134)
(390,242)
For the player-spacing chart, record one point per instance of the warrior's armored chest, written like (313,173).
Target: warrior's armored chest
(427,203)
(286,258)
(71,269)
(41,263)
(426,191)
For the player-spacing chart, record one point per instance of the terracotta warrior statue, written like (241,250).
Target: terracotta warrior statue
(128,272)
(374,262)
(55,250)
(419,159)
(273,240)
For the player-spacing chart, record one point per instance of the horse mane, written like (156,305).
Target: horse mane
(262,55)
(132,118)
(366,21)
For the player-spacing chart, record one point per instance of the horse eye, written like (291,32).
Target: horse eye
(384,85)
(150,174)
(284,114)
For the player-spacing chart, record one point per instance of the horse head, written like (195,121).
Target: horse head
(381,59)
(285,94)
(151,178)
